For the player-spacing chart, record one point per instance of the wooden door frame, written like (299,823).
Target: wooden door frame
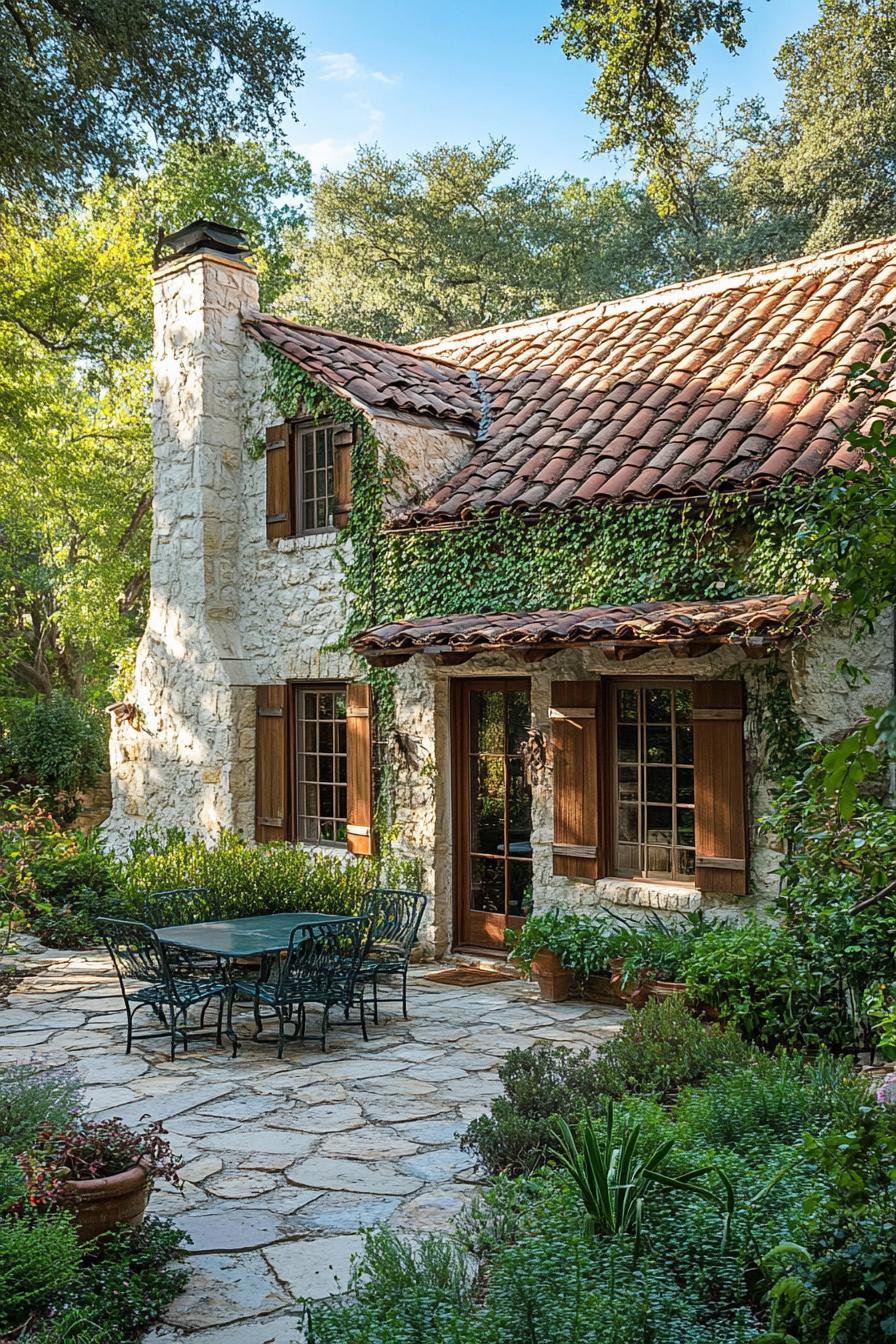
(459,689)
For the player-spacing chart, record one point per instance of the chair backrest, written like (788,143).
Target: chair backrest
(324,958)
(396,915)
(135,950)
(179,905)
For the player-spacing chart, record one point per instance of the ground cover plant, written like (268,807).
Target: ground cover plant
(750,1203)
(54,1288)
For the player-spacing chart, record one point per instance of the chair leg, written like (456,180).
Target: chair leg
(220,1017)
(130,1012)
(281,1038)
(231,1034)
(404,993)
(363,1021)
(173,1033)
(376,1002)
(325,1022)
(256,1013)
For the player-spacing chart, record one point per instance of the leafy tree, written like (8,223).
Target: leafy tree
(89,87)
(829,159)
(75,456)
(644,50)
(404,249)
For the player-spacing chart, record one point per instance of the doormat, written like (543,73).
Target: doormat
(468,975)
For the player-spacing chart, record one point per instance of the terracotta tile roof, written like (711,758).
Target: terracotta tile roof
(727,383)
(374,375)
(641,626)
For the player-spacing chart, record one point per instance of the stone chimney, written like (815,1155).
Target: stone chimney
(173,760)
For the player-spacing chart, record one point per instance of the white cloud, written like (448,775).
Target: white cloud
(343,67)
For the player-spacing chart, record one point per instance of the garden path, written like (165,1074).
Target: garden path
(287,1161)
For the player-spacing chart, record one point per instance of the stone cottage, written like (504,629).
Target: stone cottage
(521,602)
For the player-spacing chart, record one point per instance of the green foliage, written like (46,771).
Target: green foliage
(658,1051)
(127,1280)
(39,1257)
(75,455)
(614,1174)
(89,89)
(594,556)
(32,1096)
(244,879)
(53,882)
(645,51)
(54,744)
(582,943)
(757,977)
(443,241)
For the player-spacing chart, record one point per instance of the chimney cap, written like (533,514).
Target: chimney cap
(203,235)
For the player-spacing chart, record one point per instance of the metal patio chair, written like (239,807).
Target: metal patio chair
(320,967)
(396,916)
(165,983)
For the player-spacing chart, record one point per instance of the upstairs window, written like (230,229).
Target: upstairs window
(314,478)
(308,478)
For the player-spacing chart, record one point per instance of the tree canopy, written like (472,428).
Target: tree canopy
(75,454)
(95,87)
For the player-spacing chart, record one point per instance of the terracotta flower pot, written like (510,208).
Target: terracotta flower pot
(616,965)
(603,989)
(554,980)
(668,989)
(97,1205)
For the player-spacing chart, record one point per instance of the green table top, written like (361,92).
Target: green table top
(251,936)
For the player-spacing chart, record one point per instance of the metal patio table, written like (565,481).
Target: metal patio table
(241,939)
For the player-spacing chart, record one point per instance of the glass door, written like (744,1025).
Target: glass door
(493,811)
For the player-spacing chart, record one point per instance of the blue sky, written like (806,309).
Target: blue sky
(409,74)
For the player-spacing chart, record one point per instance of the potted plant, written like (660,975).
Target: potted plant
(101,1171)
(543,949)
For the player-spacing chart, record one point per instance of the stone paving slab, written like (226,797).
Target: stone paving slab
(287,1162)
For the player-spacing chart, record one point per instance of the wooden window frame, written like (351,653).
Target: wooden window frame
(610,786)
(300,430)
(295,689)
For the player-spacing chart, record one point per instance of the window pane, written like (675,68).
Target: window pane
(684,785)
(684,745)
(487,721)
(627,743)
(659,744)
(659,706)
(659,784)
(659,859)
(487,886)
(627,702)
(685,861)
(659,824)
(518,719)
(628,782)
(519,888)
(519,808)
(684,704)
(487,805)
(685,821)
(628,823)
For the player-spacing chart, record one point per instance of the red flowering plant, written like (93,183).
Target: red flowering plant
(90,1150)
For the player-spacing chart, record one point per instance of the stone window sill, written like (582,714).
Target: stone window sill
(648,895)
(313,541)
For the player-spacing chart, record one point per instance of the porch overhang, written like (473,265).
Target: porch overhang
(756,625)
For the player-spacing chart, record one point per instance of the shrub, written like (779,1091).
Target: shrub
(127,1280)
(54,882)
(657,1051)
(772,1100)
(38,1256)
(246,879)
(31,1097)
(53,743)
(757,976)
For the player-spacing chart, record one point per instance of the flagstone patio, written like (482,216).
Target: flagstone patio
(287,1161)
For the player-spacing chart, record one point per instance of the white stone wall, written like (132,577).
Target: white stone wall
(230,610)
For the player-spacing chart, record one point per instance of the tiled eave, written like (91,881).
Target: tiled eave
(686,629)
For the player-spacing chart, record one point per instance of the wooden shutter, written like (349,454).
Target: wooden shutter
(279,509)
(574,720)
(359,748)
(271,776)
(343,438)
(720,814)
